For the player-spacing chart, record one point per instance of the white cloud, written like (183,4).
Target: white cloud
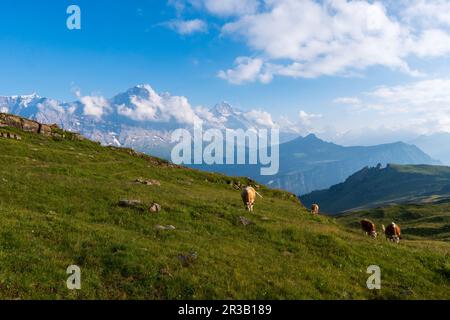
(206,115)
(304,124)
(220,8)
(426,13)
(179,5)
(331,37)
(54,105)
(432,93)
(308,118)
(431,43)
(246,70)
(421,106)
(351,101)
(186,27)
(159,108)
(260,118)
(94,106)
(231,7)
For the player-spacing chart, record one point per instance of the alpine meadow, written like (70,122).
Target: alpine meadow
(207,159)
(60,206)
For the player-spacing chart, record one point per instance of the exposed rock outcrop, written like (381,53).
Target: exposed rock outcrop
(164,228)
(129,203)
(10,135)
(155,208)
(244,221)
(9,120)
(148,182)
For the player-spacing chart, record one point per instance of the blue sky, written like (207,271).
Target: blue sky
(321,66)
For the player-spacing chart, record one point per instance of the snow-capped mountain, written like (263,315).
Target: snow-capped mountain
(139,118)
(142,119)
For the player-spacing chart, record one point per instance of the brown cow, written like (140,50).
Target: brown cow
(369,228)
(315,209)
(392,232)
(248,195)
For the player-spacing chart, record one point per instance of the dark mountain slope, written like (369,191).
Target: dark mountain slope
(372,187)
(309,163)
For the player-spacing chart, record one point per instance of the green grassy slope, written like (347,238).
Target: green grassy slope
(375,187)
(418,221)
(58,207)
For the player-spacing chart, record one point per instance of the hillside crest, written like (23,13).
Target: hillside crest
(377,186)
(26,125)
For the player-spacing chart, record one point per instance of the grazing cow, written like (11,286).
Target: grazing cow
(315,209)
(248,195)
(369,228)
(392,232)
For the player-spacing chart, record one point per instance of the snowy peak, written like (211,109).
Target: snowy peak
(22,100)
(223,109)
(140,106)
(26,97)
(138,117)
(141,91)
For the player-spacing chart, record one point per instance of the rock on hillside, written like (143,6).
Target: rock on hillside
(8,120)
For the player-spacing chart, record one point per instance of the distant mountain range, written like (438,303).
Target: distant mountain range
(309,163)
(142,119)
(139,118)
(378,186)
(437,145)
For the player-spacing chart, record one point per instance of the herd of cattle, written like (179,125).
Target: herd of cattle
(392,231)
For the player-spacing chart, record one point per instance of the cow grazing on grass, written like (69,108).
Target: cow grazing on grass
(369,228)
(392,232)
(315,209)
(248,195)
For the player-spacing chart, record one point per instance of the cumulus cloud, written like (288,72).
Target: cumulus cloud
(246,70)
(431,43)
(207,116)
(159,108)
(221,8)
(53,105)
(186,27)
(260,118)
(307,118)
(231,7)
(304,124)
(332,37)
(94,106)
(426,13)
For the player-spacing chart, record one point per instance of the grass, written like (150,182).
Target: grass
(59,206)
(418,221)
